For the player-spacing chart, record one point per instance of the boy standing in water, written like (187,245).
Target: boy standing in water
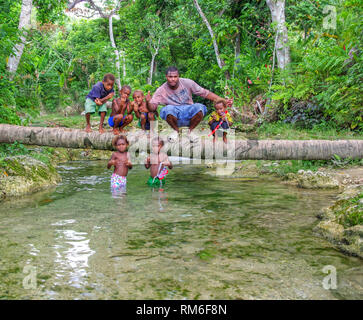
(121,162)
(221,118)
(141,111)
(97,98)
(117,120)
(157,162)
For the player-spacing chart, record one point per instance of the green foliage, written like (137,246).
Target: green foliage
(64,57)
(293,166)
(325,71)
(339,162)
(350,212)
(15,149)
(282,130)
(8,115)
(49,10)
(283,167)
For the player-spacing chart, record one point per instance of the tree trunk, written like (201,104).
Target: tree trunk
(24,24)
(152,64)
(237,50)
(277,8)
(110,25)
(220,61)
(150,78)
(241,149)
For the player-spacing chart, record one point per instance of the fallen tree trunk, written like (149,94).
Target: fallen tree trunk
(238,149)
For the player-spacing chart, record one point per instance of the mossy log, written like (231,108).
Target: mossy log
(237,149)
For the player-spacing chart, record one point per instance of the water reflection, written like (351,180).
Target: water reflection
(159,198)
(72,253)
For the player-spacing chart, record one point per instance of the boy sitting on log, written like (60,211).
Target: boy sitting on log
(141,110)
(97,98)
(117,119)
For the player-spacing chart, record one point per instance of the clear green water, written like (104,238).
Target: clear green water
(203,237)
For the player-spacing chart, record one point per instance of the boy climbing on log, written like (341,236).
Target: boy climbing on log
(96,99)
(220,118)
(141,110)
(157,163)
(117,119)
(121,162)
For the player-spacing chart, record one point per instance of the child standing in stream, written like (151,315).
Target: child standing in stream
(157,163)
(122,163)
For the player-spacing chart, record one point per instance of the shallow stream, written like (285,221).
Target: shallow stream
(202,237)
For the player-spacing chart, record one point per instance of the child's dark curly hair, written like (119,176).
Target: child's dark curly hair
(117,138)
(221,101)
(137,91)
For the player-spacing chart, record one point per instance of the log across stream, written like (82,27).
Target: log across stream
(236,149)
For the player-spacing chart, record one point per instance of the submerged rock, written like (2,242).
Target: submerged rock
(313,180)
(20,175)
(241,169)
(342,223)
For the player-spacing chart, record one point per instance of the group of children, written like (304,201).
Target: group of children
(103,91)
(121,116)
(157,162)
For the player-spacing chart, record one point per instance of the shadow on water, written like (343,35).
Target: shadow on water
(201,237)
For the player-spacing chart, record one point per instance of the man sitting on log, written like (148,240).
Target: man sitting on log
(180,110)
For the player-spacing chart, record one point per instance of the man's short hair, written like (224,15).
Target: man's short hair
(171,69)
(109,76)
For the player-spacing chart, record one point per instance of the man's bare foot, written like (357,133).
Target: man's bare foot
(122,130)
(116,131)
(101,130)
(88,129)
